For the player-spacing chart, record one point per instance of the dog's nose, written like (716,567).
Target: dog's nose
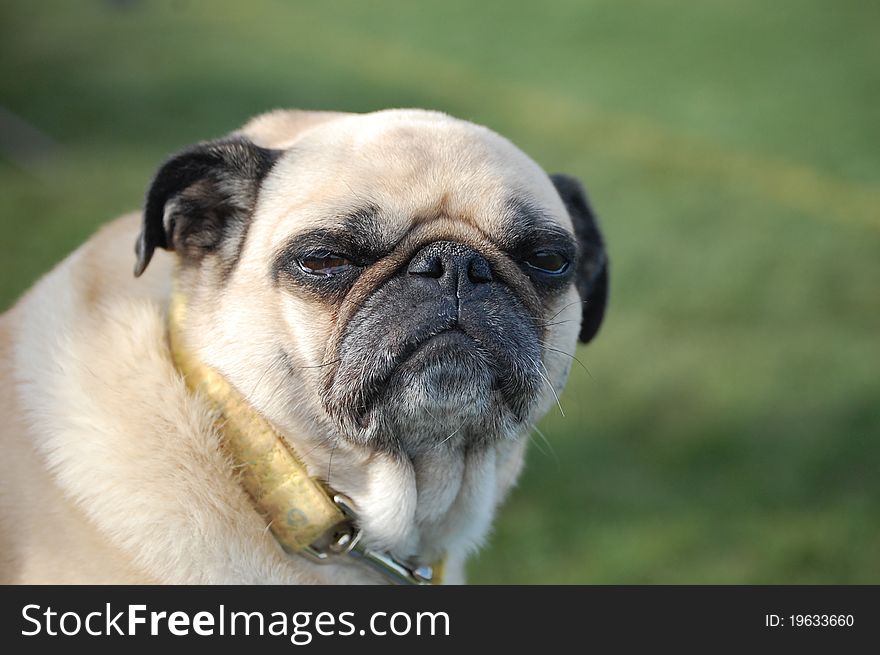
(455,266)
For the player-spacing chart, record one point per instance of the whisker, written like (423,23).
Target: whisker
(335,361)
(552,323)
(453,434)
(562,352)
(538,446)
(275,363)
(549,384)
(547,442)
(575,302)
(320,444)
(330,464)
(436,420)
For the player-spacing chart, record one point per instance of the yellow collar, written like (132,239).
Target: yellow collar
(304,515)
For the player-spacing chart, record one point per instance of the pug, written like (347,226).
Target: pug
(390,301)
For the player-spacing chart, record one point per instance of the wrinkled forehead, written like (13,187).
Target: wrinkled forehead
(391,171)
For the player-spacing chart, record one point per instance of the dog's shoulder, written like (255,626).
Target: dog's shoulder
(48,372)
(116,460)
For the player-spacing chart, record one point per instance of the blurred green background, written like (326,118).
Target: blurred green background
(728,428)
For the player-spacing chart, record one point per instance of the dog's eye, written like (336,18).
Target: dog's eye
(548,263)
(324,264)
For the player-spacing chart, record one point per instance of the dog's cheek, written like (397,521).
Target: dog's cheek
(562,328)
(306,330)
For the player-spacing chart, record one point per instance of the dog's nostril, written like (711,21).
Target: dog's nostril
(451,263)
(479,270)
(426,266)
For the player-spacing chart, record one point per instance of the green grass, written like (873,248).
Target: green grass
(729,427)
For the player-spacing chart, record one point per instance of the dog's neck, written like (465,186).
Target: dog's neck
(301,511)
(420,509)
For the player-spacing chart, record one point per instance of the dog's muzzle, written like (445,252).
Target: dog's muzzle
(442,343)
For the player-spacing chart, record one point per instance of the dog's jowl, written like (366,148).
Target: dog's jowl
(340,327)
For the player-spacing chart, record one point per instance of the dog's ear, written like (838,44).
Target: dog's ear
(592,273)
(200,196)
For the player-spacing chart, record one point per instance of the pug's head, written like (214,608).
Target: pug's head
(401,282)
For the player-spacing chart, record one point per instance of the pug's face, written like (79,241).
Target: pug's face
(400,281)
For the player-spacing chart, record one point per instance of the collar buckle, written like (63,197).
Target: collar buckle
(346,542)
